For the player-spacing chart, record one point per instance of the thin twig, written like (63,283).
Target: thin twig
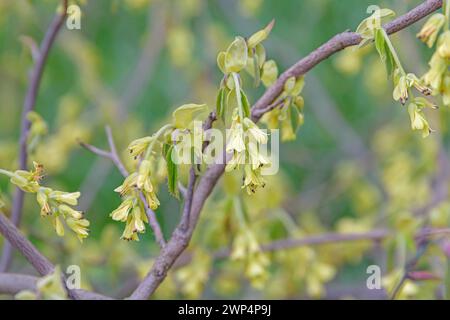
(410,265)
(29,105)
(185,218)
(180,238)
(183,189)
(114,155)
(153,222)
(95,150)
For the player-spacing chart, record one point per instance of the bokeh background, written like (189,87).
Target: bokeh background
(355,166)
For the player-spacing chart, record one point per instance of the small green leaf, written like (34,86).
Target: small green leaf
(269,73)
(260,52)
(260,36)
(172,170)
(236,55)
(296,117)
(391,64)
(380,44)
(298,87)
(184,115)
(245,104)
(289,85)
(299,103)
(256,71)
(221,61)
(384,51)
(220,103)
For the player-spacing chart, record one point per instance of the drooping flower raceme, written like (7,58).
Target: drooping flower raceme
(138,190)
(55,205)
(438,77)
(371,29)
(288,115)
(244,142)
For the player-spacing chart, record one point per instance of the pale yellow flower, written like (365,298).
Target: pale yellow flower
(121,213)
(43,201)
(433,78)
(135,223)
(59,227)
(401,90)
(128,184)
(257,160)
(138,146)
(68,211)
(418,121)
(70,198)
(79,226)
(253,179)
(235,162)
(254,131)
(236,136)
(430,30)
(444,45)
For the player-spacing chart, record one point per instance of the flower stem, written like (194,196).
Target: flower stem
(6,173)
(156,136)
(239,211)
(393,52)
(237,87)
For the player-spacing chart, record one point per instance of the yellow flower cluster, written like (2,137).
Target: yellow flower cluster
(246,248)
(194,276)
(244,141)
(245,138)
(289,115)
(151,152)
(54,204)
(132,209)
(371,28)
(438,76)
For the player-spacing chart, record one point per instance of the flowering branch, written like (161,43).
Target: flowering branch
(189,192)
(114,157)
(336,44)
(181,237)
(29,104)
